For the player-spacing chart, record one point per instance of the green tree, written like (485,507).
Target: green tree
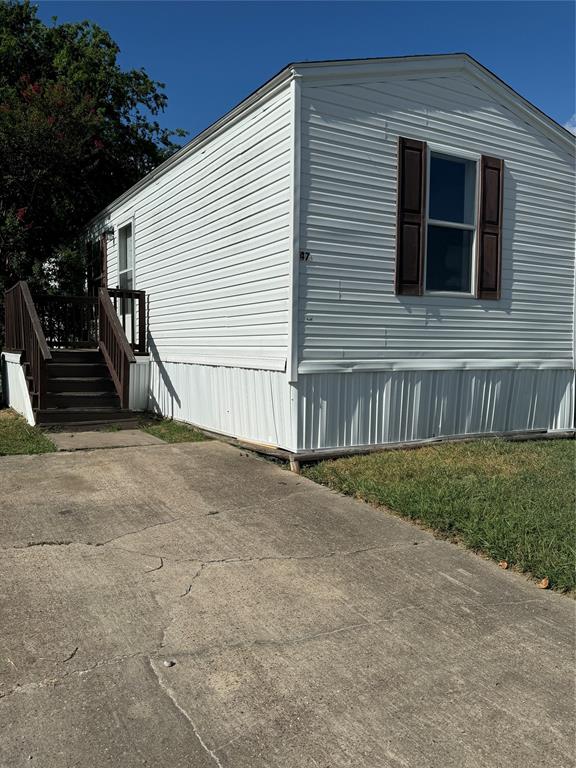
(75,131)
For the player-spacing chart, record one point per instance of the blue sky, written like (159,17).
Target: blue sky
(212,54)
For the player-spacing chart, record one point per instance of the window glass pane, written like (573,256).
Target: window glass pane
(452,189)
(448,259)
(125,247)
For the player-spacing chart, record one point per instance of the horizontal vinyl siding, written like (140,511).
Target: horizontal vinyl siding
(213,245)
(349,313)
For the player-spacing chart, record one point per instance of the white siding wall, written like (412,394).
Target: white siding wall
(349,315)
(214,240)
(212,244)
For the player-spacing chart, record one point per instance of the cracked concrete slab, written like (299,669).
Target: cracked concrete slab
(299,628)
(106,603)
(114,715)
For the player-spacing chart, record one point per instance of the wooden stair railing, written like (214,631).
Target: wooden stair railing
(69,322)
(114,346)
(24,333)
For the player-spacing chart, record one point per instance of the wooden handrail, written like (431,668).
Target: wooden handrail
(125,293)
(114,346)
(38,332)
(24,333)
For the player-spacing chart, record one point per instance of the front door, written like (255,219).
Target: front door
(96,264)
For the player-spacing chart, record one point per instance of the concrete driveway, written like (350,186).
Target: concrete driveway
(306,629)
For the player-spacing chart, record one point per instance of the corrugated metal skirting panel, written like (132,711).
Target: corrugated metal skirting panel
(357,409)
(14,384)
(139,383)
(241,402)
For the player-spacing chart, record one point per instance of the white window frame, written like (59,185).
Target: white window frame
(127,223)
(438,149)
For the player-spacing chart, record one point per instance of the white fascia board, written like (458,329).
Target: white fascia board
(386,67)
(506,95)
(429,364)
(439,65)
(256,99)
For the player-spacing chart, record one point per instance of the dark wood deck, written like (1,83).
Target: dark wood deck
(77,352)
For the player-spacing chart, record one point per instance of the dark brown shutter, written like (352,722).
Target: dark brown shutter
(411,212)
(490,228)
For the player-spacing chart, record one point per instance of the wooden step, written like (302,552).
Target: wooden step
(85,416)
(80,384)
(80,393)
(57,370)
(76,355)
(76,400)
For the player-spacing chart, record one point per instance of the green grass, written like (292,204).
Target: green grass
(172,431)
(512,501)
(18,437)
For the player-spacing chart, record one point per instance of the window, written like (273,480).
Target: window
(126,257)
(451,224)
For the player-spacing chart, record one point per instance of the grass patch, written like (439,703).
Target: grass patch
(510,501)
(172,431)
(18,437)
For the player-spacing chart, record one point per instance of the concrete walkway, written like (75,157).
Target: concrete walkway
(84,440)
(191,606)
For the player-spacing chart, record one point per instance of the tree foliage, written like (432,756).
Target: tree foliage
(75,131)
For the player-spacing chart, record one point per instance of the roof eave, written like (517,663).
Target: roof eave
(256,97)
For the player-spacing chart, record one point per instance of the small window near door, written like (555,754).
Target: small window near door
(126,257)
(451,224)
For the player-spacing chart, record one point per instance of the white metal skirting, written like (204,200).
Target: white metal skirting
(14,386)
(337,410)
(139,383)
(249,404)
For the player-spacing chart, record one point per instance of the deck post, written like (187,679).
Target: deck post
(142,323)
(295,466)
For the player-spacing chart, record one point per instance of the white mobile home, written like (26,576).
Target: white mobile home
(360,253)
